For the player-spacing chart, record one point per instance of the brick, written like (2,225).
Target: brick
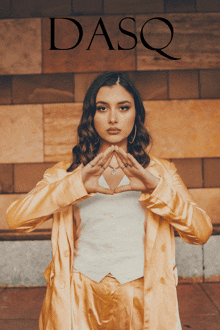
(5,8)
(129,6)
(190,171)
(22,304)
(200,322)
(19,324)
(211,172)
(6,178)
(210,83)
(31,8)
(87,7)
(60,130)
(22,134)
(56,88)
(184,128)
(26,176)
(189,261)
(212,259)
(20,46)
(208,200)
(183,84)
(193,301)
(180,6)
(213,292)
(82,83)
(151,85)
(81,59)
(5,90)
(208,6)
(196,41)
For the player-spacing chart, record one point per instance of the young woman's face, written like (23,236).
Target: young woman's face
(115,114)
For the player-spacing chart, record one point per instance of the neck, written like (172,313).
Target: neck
(105,145)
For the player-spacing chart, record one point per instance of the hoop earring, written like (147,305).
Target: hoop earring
(135,131)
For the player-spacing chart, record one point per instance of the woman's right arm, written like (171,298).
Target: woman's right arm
(48,197)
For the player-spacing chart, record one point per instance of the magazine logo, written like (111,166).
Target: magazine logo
(107,38)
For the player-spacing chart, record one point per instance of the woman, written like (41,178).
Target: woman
(114,211)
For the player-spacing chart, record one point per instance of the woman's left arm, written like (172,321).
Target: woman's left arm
(166,196)
(172,201)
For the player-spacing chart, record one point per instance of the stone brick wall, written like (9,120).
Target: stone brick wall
(41,94)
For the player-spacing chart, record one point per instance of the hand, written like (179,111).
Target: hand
(94,169)
(140,179)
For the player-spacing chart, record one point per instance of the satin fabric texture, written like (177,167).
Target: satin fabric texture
(169,206)
(107,305)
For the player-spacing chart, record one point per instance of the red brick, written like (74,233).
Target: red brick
(19,303)
(19,324)
(211,172)
(48,88)
(179,6)
(5,90)
(194,301)
(87,7)
(208,6)
(151,85)
(183,84)
(81,59)
(210,83)
(26,176)
(213,291)
(6,180)
(82,83)
(190,171)
(130,6)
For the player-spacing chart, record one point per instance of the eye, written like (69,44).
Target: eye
(101,108)
(124,108)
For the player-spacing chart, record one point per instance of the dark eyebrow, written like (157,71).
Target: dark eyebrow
(122,102)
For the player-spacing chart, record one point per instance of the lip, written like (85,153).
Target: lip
(113,130)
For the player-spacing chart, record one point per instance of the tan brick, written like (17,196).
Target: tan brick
(82,83)
(184,129)
(60,130)
(190,171)
(183,84)
(26,176)
(208,200)
(43,88)
(129,6)
(210,83)
(211,172)
(81,59)
(192,34)
(151,85)
(20,46)
(5,202)
(6,180)
(22,134)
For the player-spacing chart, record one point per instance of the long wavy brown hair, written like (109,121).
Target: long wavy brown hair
(88,139)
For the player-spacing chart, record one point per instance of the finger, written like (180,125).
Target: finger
(105,156)
(106,191)
(95,160)
(133,162)
(126,187)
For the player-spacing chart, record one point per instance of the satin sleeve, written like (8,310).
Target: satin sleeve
(48,197)
(172,201)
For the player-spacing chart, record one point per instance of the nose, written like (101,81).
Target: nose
(113,118)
